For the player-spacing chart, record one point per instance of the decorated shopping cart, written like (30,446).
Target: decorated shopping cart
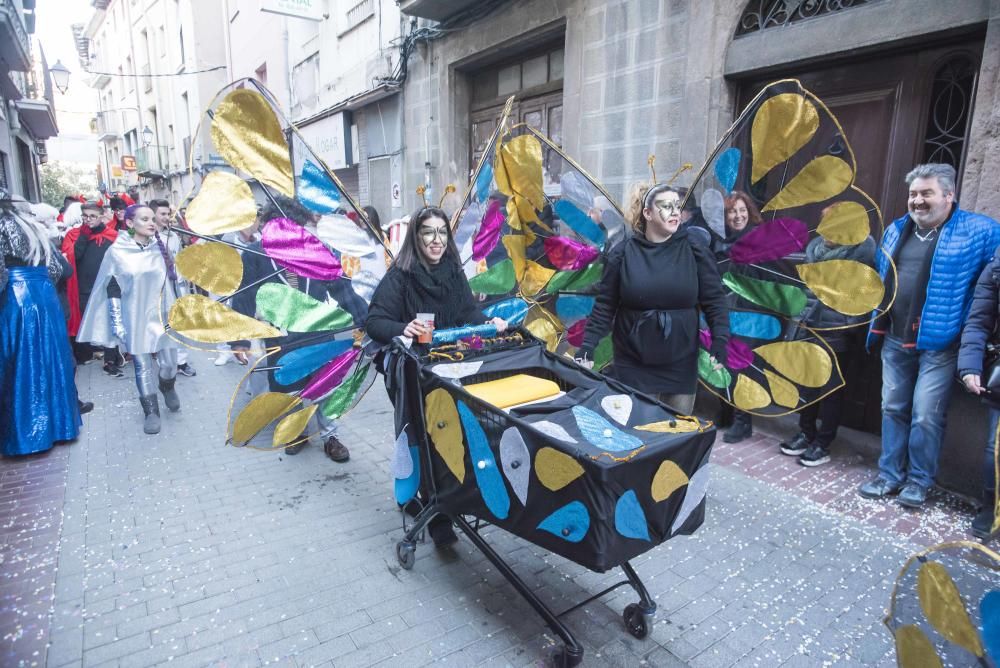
(514,436)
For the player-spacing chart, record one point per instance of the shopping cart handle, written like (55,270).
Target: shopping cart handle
(456,333)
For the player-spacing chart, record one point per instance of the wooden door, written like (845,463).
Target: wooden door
(542,112)
(887,106)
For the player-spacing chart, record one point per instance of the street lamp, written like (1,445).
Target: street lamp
(60,76)
(147,136)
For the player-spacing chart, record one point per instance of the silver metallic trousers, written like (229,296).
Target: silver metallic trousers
(145,378)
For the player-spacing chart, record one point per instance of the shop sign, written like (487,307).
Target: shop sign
(300,9)
(330,138)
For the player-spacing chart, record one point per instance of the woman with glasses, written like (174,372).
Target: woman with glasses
(655,284)
(425,277)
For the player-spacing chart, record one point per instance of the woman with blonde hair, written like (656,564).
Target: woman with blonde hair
(38,403)
(655,285)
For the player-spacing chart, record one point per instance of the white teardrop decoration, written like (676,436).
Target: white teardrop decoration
(619,407)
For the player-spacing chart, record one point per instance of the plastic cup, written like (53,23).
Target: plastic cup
(428,320)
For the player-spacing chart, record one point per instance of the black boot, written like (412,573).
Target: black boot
(441,532)
(170,397)
(741,430)
(982,523)
(151,408)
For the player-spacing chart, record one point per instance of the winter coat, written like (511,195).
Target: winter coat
(966,243)
(981,325)
(443,290)
(649,297)
(836,327)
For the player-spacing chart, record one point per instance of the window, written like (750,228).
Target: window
(121,82)
(129,72)
(539,72)
(161,35)
(305,84)
(180,33)
(261,74)
(951,108)
(763,14)
(358,14)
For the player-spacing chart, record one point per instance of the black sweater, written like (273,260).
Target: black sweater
(442,290)
(649,297)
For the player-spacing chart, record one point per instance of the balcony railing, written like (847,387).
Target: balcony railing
(14,49)
(152,161)
(108,128)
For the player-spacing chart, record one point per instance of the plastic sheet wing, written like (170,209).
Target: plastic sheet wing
(313,354)
(788,153)
(532,232)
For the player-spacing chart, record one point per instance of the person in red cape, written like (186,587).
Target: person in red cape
(84,248)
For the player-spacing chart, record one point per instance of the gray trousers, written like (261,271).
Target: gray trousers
(165,366)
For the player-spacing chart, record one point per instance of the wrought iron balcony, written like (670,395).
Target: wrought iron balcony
(152,162)
(435,10)
(14,49)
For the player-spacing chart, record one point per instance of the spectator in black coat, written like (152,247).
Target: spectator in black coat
(819,421)
(979,331)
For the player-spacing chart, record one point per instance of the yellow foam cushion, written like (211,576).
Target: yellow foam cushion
(513,390)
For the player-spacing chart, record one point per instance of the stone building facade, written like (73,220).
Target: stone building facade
(613,81)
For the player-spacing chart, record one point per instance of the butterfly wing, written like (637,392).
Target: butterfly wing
(314,352)
(788,153)
(533,231)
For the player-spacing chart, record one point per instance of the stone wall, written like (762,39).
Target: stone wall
(981,183)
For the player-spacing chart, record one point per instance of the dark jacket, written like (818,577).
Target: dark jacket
(400,295)
(966,243)
(841,331)
(980,326)
(649,297)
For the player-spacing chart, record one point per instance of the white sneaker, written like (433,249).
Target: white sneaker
(223,358)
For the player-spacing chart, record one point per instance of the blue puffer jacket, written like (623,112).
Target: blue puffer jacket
(967,243)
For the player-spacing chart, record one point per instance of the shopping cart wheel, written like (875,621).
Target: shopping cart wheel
(406,553)
(561,657)
(636,621)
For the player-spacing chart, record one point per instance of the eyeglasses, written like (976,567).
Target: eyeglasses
(673,206)
(91,216)
(429,234)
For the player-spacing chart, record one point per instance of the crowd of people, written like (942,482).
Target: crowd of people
(115,274)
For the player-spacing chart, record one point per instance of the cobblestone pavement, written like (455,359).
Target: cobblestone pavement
(130,550)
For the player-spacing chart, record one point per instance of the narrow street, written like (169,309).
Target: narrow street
(175,549)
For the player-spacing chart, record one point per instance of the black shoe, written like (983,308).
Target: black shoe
(815,455)
(297,448)
(85,406)
(796,446)
(186,369)
(878,488)
(336,450)
(113,370)
(912,496)
(441,532)
(982,523)
(741,430)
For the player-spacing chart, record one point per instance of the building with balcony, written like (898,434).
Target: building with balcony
(613,81)
(27,109)
(344,95)
(146,61)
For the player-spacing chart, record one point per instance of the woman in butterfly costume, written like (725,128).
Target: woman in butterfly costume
(137,276)
(426,277)
(653,285)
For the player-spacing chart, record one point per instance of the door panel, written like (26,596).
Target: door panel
(883,104)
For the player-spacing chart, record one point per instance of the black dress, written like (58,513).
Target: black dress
(650,296)
(441,289)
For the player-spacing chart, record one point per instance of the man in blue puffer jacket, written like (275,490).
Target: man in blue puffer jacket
(938,251)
